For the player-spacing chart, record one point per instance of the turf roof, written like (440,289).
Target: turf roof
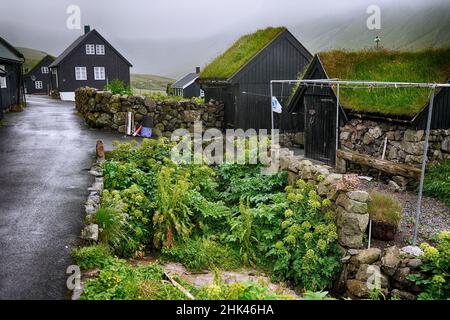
(241,52)
(431,65)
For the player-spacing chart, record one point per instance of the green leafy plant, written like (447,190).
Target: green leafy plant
(172,217)
(91,257)
(307,251)
(117,86)
(384,207)
(437,181)
(201,254)
(435,275)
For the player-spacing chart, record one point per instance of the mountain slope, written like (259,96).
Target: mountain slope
(32,57)
(402,27)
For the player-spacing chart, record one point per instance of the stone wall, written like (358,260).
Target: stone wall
(404,145)
(352,217)
(387,270)
(102,109)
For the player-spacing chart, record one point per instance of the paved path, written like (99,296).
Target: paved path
(45,153)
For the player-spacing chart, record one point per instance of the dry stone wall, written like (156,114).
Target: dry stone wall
(101,109)
(404,144)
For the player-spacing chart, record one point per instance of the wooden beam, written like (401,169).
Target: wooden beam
(382,165)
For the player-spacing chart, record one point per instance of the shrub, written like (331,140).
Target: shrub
(91,257)
(307,251)
(201,253)
(435,269)
(385,208)
(437,181)
(117,86)
(112,224)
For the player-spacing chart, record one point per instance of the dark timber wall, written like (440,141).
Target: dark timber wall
(39,76)
(247,96)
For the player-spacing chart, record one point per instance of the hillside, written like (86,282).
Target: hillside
(402,28)
(32,56)
(149,82)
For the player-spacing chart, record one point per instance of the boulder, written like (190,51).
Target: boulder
(445,145)
(412,148)
(403,295)
(391,260)
(361,196)
(90,232)
(358,288)
(372,275)
(413,135)
(393,186)
(351,205)
(350,227)
(414,263)
(368,256)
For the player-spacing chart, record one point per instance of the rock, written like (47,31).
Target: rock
(393,186)
(351,205)
(412,148)
(391,260)
(358,288)
(412,251)
(413,160)
(353,252)
(414,263)
(372,135)
(393,153)
(403,295)
(372,275)
(332,179)
(350,227)
(90,232)
(413,135)
(361,196)
(95,173)
(89,209)
(368,256)
(401,181)
(445,145)
(346,259)
(294,166)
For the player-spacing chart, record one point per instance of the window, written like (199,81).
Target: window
(38,84)
(99,73)
(44,69)
(80,73)
(54,70)
(2,79)
(100,49)
(90,49)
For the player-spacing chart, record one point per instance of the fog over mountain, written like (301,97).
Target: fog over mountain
(170,38)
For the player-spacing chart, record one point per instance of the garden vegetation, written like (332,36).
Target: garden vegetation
(224,217)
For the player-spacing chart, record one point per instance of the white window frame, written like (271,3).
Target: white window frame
(90,49)
(99,73)
(100,49)
(3,79)
(80,73)
(38,85)
(44,70)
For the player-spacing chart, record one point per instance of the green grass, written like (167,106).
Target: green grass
(32,57)
(385,207)
(242,51)
(149,82)
(437,181)
(430,65)
(91,257)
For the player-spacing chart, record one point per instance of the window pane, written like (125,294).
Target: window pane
(90,49)
(100,49)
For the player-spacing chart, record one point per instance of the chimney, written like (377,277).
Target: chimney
(197,70)
(87,29)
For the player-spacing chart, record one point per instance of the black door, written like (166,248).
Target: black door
(320,129)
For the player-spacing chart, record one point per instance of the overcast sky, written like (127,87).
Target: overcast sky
(152,34)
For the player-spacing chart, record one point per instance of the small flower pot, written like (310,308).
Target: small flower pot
(383,231)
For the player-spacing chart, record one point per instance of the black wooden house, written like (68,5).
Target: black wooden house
(317,104)
(241,76)
(187,87)
(11,84)
(37,80)
(89,61)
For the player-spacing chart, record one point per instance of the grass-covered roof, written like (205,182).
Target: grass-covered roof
(431,65)
(241,52)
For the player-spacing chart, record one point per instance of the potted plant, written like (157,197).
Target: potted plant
(385,212)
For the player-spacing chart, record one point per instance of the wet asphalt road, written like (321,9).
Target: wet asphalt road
(45,154)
